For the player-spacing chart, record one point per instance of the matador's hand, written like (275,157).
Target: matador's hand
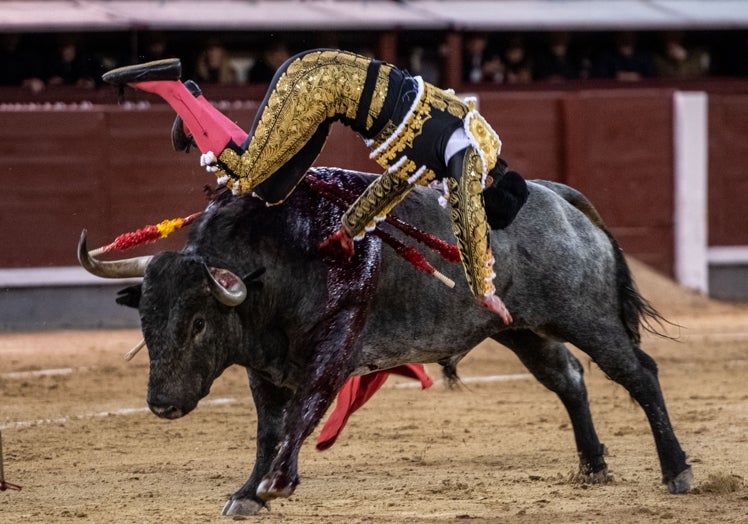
(495,304)
(339,244)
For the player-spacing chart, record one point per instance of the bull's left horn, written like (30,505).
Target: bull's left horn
(125,268)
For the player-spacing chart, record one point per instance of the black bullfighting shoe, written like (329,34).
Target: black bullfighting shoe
(180,140)
(167,69)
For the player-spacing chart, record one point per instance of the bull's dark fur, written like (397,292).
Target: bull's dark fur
(314,322)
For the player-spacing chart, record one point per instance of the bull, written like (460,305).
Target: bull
(250,288)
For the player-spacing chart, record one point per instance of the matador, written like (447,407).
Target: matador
(417,132)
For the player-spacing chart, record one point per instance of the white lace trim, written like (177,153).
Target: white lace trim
(415,176)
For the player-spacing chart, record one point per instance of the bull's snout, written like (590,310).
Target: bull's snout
(166,410)
(168,405)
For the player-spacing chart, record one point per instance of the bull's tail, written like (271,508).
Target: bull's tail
(636,310)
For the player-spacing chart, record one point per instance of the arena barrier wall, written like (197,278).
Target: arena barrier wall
(111,169)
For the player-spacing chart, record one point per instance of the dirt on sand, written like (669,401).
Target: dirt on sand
(78,437)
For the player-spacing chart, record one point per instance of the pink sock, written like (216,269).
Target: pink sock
(211,129)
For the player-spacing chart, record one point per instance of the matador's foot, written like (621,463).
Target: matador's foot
(495,304)
(167,69)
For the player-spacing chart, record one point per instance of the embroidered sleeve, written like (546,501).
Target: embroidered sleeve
(375,202)
(470,225)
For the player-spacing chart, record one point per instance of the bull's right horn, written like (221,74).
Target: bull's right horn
(126,268)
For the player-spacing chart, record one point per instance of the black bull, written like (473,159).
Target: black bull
(307,324)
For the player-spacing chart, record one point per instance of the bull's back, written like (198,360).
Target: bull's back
(546,258)
(547,261)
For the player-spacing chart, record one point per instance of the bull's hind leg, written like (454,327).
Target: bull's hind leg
(558,370)
(636,371)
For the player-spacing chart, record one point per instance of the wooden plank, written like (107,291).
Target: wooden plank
(728,157)
(619,154)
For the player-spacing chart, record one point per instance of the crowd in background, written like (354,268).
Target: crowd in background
(560,56)
(72,60)
(78,60)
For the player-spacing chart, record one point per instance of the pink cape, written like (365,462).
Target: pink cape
(354,394)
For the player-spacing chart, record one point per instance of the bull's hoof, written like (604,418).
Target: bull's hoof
(681,483)
(597,477)
(586,476)
(276,485)
(242,507)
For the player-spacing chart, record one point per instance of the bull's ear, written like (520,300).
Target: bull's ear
(130,296)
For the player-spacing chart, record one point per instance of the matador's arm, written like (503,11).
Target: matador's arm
(374,203)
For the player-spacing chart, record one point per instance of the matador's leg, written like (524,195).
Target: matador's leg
(471,229)
(211,129)
(309,92)
(181,136)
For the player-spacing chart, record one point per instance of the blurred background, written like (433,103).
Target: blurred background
(641,105)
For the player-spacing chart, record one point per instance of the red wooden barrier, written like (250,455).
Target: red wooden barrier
(112,170)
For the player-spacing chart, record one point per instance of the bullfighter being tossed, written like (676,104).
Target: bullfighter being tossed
(417,132)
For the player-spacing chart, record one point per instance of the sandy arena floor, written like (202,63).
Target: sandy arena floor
(85,449)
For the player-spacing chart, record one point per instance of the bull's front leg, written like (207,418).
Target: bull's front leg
(329,366)
(270,402)
(328,362)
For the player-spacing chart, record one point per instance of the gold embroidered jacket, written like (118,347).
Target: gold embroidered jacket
(406,121)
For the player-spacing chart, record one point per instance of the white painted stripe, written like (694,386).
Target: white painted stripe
(55,277)
(690,154)
(469,380)
(39,373)
(229,400)
(101,414)
(727,255)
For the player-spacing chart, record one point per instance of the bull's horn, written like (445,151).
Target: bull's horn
(126,268)
(226,286)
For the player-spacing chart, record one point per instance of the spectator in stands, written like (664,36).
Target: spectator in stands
(424,63)
(626,61)
(479,63)
(17,66)
(214,65)
(366,51)
(517,62)
(740,55)
(271,59)
(70,64)
(555,62)
(675,60)
(156,47)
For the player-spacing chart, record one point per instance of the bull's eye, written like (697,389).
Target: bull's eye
(197,326)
